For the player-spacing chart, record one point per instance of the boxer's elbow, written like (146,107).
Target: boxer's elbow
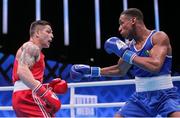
(156,68)
(21,71)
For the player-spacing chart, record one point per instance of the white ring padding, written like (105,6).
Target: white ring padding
(68,106)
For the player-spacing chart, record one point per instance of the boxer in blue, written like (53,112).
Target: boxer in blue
(150,54)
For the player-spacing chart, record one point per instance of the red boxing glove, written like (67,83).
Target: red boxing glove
(48,96)
(58,86)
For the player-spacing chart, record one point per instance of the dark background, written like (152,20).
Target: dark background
(82,27)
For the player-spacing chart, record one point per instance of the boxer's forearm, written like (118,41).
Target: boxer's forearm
(27,77)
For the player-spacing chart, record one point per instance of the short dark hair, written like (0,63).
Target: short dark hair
(133,12)
(34,25)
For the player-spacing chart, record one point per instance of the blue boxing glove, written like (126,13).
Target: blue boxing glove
(118,47)
(79,71)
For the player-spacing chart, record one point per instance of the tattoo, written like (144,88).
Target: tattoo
(29,55)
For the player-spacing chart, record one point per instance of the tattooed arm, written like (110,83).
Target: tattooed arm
(27,55)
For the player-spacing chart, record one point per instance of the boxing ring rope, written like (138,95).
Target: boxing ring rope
(72,87)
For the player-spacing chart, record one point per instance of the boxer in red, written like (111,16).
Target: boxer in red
(30,97)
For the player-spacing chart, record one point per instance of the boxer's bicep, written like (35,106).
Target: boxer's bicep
(29,55)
